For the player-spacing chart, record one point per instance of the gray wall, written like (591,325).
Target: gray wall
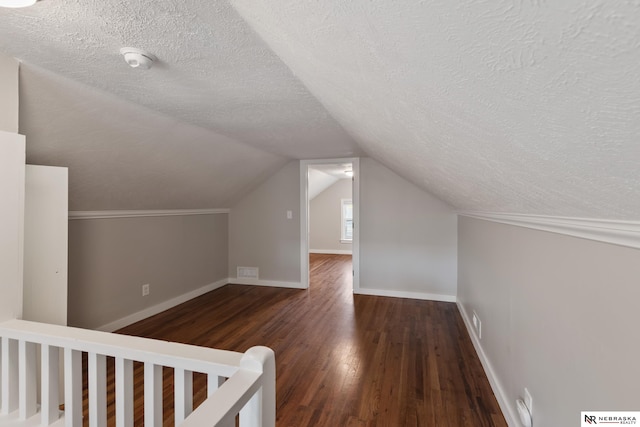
(325,218)
(407,237)
(110,260)
(260,235)
(559,316)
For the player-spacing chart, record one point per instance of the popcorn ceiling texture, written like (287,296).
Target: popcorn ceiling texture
(501,105)
(213,70)
(214,73)
(525,106)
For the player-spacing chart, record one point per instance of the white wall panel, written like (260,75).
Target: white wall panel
(45,244)
(12,158)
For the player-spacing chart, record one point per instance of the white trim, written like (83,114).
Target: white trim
(159,308)
(134,214)
(507,410)
(623,233)
(271,283)
(304,224)
(331,251)
(405,294)
(355,242)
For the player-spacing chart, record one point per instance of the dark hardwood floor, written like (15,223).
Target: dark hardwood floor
(342,359)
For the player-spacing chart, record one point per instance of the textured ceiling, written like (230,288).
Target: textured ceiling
(213,71)
(527,106)
(495,105)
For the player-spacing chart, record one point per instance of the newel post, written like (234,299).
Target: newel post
(260,411)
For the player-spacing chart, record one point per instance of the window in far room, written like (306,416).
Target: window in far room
(347,221)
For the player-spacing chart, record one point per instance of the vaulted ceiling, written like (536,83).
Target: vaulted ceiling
(525,106)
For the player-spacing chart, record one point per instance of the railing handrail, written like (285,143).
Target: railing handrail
(222,407)
(170,354)
(247,379)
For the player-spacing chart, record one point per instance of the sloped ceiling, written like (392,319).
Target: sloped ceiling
(492,105)
(123,156)
(216,85)
(526,106)
(323,176)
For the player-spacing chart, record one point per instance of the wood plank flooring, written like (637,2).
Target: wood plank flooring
(342,359)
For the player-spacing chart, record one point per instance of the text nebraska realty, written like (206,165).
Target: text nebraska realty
(592,419)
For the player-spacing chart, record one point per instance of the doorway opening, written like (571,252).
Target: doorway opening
(329,212)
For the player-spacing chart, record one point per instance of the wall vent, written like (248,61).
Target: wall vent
(247,273)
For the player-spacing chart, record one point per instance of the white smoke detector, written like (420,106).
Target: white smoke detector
(137,58)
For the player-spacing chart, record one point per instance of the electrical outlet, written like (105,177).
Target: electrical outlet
(477,325)
(528,401)
(145,290)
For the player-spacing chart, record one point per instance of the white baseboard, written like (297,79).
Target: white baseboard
(507,409)
(273,283)
(405,294)
(159,308)
(331,251)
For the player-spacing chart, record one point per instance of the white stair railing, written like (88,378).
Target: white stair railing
(237,383)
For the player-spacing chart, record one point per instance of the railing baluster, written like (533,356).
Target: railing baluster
(183,392)
(97,390)
(213,383)
(50,397)
(250,414)
(9,375)
(72,388)
(248,381)
(124,392)
(152,395)
(28,392)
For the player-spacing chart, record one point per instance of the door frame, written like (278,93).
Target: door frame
(304,217)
